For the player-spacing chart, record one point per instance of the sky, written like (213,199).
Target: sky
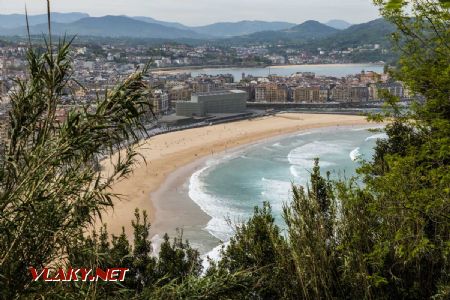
(202,12)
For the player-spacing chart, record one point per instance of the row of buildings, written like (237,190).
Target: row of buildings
(299,88)
(272,92)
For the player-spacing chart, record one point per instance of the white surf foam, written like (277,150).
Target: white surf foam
(303,156)
(294,171)
(304,133)
(271,149)
(213,255)
(355,154)
(218,209)
(377,136)
(156,241)
(368,128)
(276,192)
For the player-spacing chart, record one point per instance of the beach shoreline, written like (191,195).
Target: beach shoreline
(173,156)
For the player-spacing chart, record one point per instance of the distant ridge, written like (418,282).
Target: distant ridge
(306,31)
(338,24)
(164,23)
(374,32)
(311,34)
(19,20)
(229,29)
(310,29)
(110,26)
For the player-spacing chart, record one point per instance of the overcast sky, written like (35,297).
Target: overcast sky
(200,12)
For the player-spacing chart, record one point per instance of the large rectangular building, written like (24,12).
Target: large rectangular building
(202,104)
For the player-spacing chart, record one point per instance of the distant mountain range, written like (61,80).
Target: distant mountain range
(19,20)
(114,26)
(306,31)
(229,29)
(374,32)
(338,33)
(164,23)
(109,26)
(338,24)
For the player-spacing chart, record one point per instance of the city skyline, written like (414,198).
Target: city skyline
(203,12)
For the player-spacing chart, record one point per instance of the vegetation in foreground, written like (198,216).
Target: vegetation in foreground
(385,239)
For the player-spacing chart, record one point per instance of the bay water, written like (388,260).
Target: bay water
(335,70)
(230,185)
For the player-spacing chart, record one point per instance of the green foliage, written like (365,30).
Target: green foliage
(174,263)
(410,174)
(143,264)
(310,220)
(216,286)
(257,246)
(50,186)
(177,260)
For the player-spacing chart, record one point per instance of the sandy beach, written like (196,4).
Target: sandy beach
(173,156)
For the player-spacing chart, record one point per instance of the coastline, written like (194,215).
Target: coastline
(173,156)
(187,69)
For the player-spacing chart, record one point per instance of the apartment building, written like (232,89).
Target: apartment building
(350,93)
(179,93)
(310,94)
(270,92)
(160,101)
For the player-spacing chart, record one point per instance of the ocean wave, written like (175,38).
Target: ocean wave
(269,148)
(304,155)
(294,171)
(304,133)
(276,191)
(367,128)
(156,242)
(282,159)
(355,154)
(303,174)
(213,206)
(377,136)
(214,255)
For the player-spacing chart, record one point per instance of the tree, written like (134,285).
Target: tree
(177,261)
(410,175)
(256,248)
(50,187)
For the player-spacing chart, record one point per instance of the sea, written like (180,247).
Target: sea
(230,185)
(334,70)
